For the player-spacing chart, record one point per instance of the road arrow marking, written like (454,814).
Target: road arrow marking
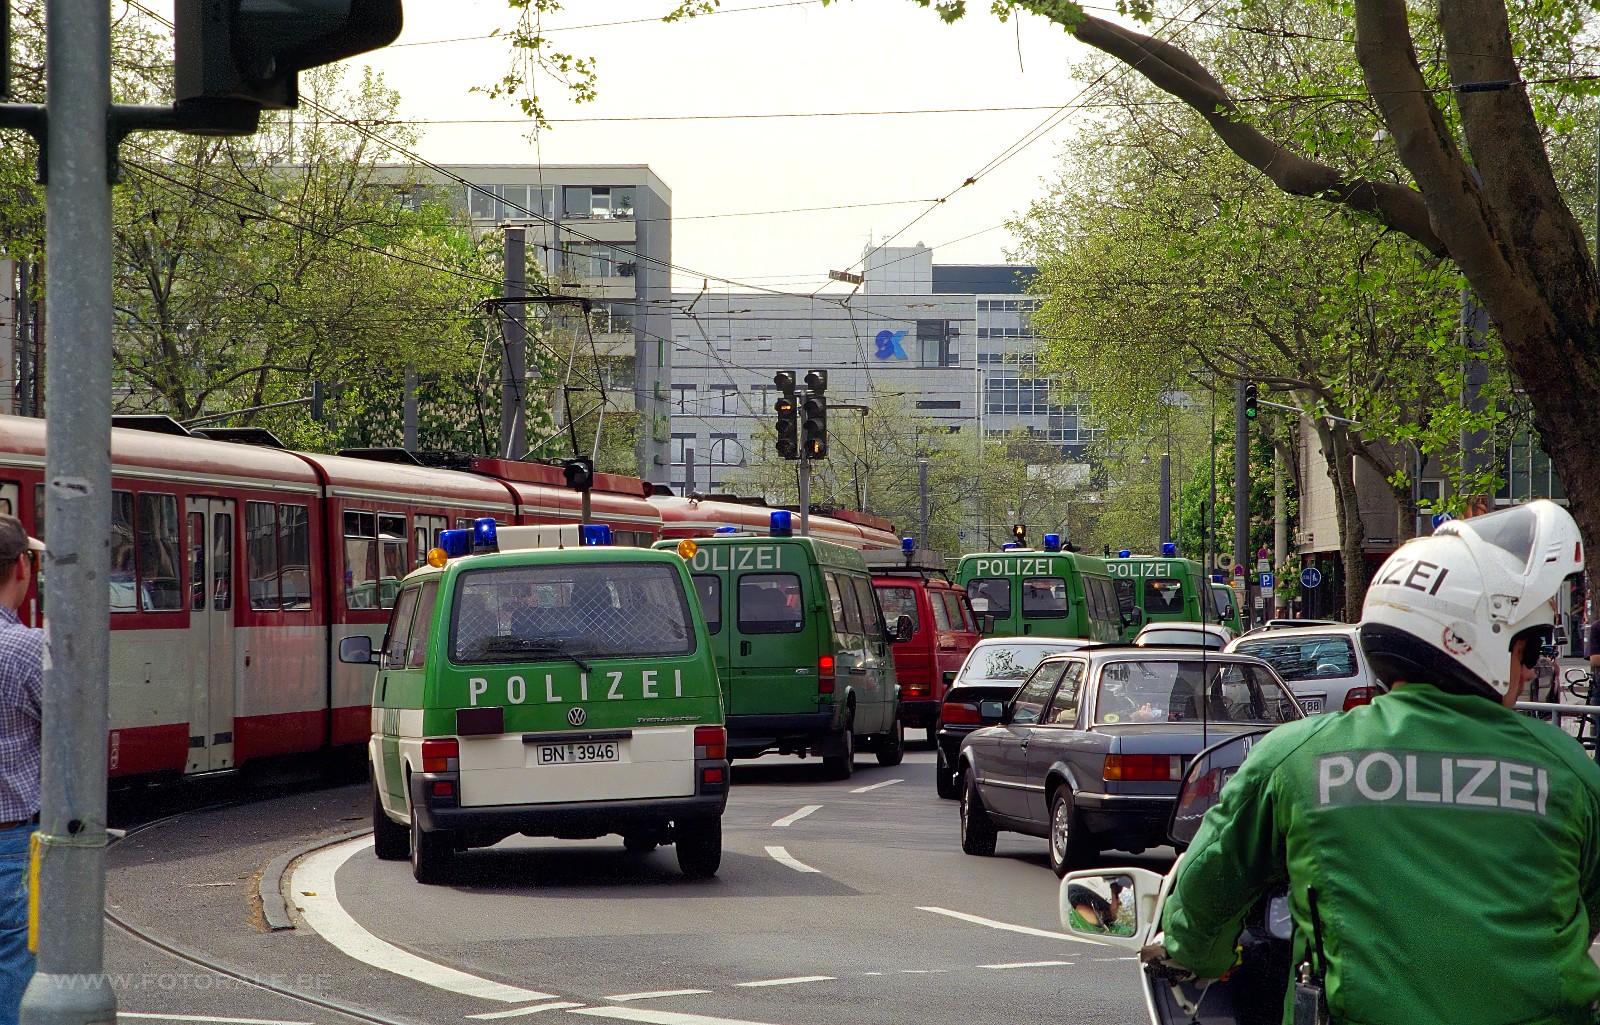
(784,857)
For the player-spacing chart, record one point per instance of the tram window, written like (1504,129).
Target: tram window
(294,555)
(399,632)
(417,647)
(990,596)
(419,537)
(38,511)
(160,587)
(197,561)
(261,554)
(124,581)
(222,561)
(360,559)
(1163,596)
(392,557)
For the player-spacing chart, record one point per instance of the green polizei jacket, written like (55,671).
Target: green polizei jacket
(1454,847)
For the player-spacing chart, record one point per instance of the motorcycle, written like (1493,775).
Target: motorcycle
(1121,907)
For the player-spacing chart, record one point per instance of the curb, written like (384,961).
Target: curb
(270,888)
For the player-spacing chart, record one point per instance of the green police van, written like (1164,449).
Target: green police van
(802,647)
(1168,589)
(1019,592)
(534,680)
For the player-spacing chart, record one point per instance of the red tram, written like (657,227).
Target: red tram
(700,517)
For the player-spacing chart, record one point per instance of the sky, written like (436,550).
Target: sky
(769,57)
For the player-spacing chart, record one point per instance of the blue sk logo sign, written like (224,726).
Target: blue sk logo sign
(889,346)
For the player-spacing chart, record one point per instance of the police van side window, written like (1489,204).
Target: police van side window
(871,613)
(708,588)
(422,626)
(399,632)
(853,621)
(1044,598)
(836,603)
(769,603)
(990,596)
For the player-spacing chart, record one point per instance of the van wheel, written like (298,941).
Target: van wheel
(699,844)
(390,840)
(893,749)
(1069,846)
(944,781)
(432,853)
(978,832)
(638,843)
(843,766)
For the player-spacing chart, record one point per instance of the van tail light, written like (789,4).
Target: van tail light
(441,755)
(825,674)
(914,690)
(710,742)
(1144,768)
(959,713)
(1357,696)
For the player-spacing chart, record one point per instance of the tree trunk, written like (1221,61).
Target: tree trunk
(1347,507)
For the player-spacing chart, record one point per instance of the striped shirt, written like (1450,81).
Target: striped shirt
(21,689)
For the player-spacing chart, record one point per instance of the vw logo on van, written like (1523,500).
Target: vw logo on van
(576,716)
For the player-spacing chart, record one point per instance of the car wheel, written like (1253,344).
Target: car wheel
(432,852)
(390,840)
(978,832)
(944,781)
(699,843)
(1069,848)
(844,765)
(639,843)
(893,751)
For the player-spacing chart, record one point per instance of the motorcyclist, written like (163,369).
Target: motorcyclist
(1441,851)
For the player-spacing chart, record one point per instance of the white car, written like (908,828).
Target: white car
(1323,665)
(1170,634)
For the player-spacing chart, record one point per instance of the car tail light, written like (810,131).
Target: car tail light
(444,788)
(710,742)
(440,755)
(914,690)
(960,713)
(712,777)
(825,674)
(1357,696)
(1144,768)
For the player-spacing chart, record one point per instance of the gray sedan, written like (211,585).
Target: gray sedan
(1090,751)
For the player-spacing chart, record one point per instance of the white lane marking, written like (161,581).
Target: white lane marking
(1008,927)
(517,1012)
(1026,964)
(623,998)
(793,981)
(645,1014)
(877,786)
(318,901)
(203,1017)
(784,857)
(789,820)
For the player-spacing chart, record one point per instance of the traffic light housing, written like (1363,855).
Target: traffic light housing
(817,382)
(1251,411)
(814,430)
(230,52)
(788,415)
(579,473)
(1019,531)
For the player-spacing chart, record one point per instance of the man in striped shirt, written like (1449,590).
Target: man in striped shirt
(21,683)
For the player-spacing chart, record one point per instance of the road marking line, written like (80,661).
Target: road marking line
(645,1014)
(784,857)
(623,998)
(517,1012)
(204,1017)
(1027,964)
(794,981)
(877,786)
(789,820)
(318,901)
(1008,927)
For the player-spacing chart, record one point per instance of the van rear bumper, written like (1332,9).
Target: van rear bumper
(750,735)
(489,824)
(919,712)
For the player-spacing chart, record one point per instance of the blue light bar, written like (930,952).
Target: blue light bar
(595,534)
(726,530)
(781,524)
(1008,546)
(1169,549)
(1124,554)
(456,543)
(1052,542)
(908,545)
(484,537)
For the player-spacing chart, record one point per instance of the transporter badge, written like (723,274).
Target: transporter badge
(576,716)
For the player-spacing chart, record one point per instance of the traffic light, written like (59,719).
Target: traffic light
(1020,532)
(814,430)
(251,51)
(1250,410)
(788,416)
(579,473)
(817,382)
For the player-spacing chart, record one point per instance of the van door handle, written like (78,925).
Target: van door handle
(1027,628)
(859,670)
(744,647)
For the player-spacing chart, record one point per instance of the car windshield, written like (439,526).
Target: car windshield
(1171,691)
(1006,661)
(1305,658)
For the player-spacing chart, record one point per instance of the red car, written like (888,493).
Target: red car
(944,630)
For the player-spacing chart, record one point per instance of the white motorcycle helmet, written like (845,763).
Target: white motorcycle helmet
(1446,609)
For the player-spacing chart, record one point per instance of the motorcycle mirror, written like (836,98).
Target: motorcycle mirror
(1202,784)
(1116,907)
(1576,676)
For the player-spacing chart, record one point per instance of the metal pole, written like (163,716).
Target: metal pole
(805,492)
(408,413)
(514,381)
(1280,518)
(1211,520)
(1166,499)
(922,511)
(1241,491)
(70,985)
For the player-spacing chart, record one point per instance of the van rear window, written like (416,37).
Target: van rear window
(897,602)
(594,610)
(769,603)
(1044,598)
(1163,596)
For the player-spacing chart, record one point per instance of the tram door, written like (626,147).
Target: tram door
(211,598)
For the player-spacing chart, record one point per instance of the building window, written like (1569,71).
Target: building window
(983,306)
(934,346)
(602,202)
(726,398)
(938,404)
(1430,493)
(726,450)
(683,397)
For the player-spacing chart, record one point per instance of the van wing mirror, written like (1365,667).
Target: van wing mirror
(904,627)
(1117,907)
(357,650)
(949,677)
(986,623)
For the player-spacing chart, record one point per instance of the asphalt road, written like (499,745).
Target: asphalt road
(860,910)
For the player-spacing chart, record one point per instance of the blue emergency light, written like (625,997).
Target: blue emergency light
(1124,554)
(1169,549)
(726,530)
(1052,542)
(594,534)
(484,536)
(908,545)
(456,543)
(1008,546)
(781,524)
